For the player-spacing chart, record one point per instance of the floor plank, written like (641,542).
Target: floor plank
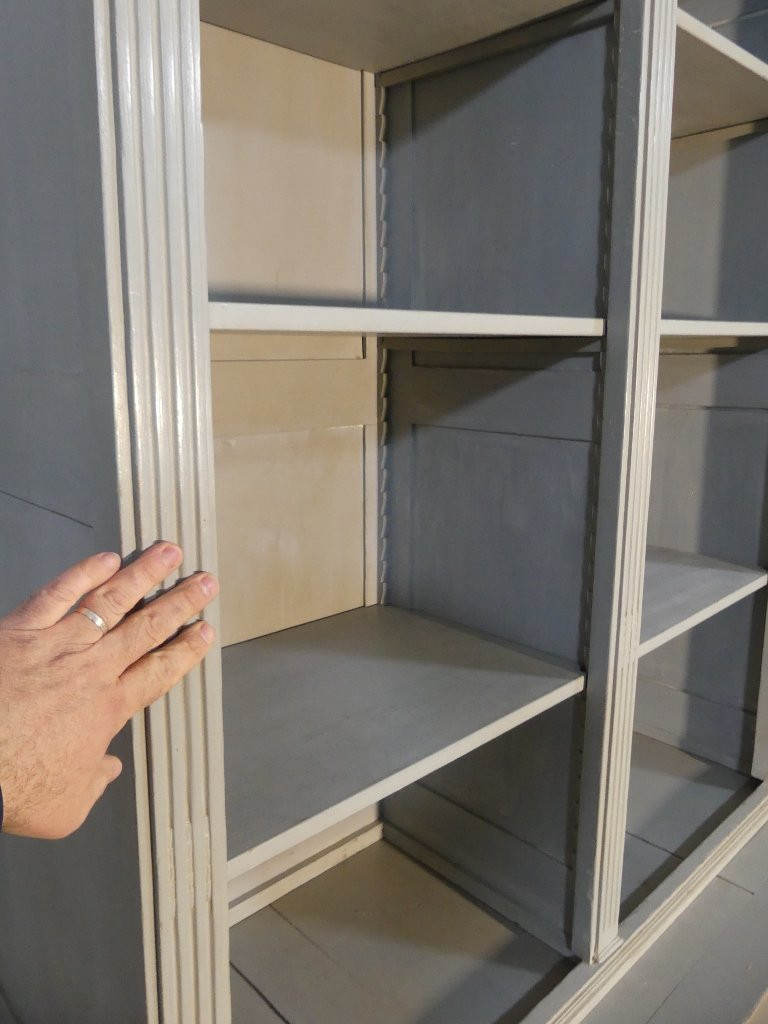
(248,1007)
(379,939)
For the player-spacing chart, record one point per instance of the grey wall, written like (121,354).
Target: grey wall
(70,941)
(511,219)
(743,21)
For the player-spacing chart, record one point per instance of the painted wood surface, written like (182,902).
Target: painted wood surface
(379,939)
(362,704)
(533,116)
(716,228)
(61,397)
(153,149)
(364,35)
(271,317)
(283,172)
(676,799)
(639,173)
(514,565)
(248,1007)
(717,83)
(713,328)
(681,590)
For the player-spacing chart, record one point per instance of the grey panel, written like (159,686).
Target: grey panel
(750,32)
(524,783)
(716,258)
(526,886)
(487,525)
(509,220)
(497,534)
(71,940)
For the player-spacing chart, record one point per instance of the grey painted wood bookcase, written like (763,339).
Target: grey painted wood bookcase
(462,307)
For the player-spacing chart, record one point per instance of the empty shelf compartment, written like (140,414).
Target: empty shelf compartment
(327,718)
(381,940)
(717,83)
(683,589)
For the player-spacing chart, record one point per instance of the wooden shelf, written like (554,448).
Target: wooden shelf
(264,318)
(713,329)
(379,938)
(682,590)
(371,36)
(325,719)
(717,83)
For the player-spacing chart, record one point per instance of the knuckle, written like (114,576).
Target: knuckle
(113,601)
(156,628)
(60,592)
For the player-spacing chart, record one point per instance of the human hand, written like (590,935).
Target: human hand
(67,688)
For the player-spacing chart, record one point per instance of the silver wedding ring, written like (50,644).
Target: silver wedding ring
(95,618)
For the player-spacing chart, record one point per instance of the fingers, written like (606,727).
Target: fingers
(160,619)
(156,673)
(50,604)
(116,596)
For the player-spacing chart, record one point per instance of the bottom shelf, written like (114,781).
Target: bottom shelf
(380,940)
(675,801)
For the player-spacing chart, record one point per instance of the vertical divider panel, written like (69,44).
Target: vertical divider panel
(155,54)
(639,179)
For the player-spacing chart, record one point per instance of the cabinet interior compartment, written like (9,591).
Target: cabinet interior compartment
(716,258)
(697,694)
(326,187)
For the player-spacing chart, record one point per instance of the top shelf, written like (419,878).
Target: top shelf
(265,318)
(369,35)
(717,83)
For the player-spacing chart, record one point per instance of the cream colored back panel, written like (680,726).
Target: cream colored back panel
(283,168)
(291,532)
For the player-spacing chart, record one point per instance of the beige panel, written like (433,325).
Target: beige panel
(246,346)
(290,526)
(283,165)
(264,397)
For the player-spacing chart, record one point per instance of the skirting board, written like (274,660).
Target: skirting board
(587,984)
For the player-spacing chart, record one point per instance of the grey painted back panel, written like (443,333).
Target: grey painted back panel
(716,257)
(488,480)
(510,219)
(488,496)
(744,22)
(71,940)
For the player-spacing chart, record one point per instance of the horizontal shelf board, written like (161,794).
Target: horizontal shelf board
(371,36)
(717,83)
(381,940)
(713,329)
(325,719)
(682,590)
(268,318)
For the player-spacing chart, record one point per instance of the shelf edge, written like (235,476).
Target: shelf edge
(268,318)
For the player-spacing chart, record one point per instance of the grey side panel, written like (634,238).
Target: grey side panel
(510,220)
(716,257)
(71,937)
(744,22)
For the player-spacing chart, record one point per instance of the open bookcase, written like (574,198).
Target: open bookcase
(408,409)
(441,329)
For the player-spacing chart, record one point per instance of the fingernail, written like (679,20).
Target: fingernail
(209,585)
(111,559)
(171,554)
(207,632)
